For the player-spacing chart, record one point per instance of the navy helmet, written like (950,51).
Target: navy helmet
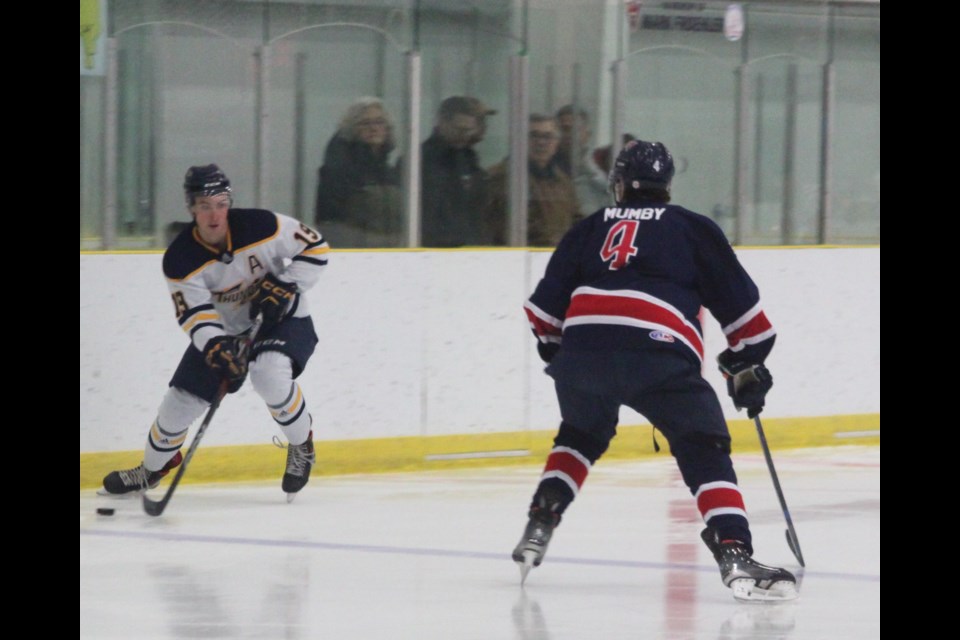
(643,165)
(208,180)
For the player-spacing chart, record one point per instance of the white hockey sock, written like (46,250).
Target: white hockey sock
(272,377)
(178,410)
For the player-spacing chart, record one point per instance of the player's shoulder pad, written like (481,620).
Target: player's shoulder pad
(698,221)
(587,223)
(251,226)
(185,255)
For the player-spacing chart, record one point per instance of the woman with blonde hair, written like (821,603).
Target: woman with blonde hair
(358,194)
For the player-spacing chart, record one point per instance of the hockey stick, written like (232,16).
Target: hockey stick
(156,507)
(792,540)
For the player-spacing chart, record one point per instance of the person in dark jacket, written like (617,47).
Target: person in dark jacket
(358,193)
(454,184)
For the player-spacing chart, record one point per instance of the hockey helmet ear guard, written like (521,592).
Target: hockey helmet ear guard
(642,165)
(208,180)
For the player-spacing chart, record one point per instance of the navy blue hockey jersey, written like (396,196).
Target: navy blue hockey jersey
(636,277)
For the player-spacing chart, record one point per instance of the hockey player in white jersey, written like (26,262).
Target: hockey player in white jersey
(224,270)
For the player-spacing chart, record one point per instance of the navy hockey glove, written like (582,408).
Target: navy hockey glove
(747,384)
(273,299)
(222,354)
(547,350)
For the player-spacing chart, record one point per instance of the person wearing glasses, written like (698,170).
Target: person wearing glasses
(552,206)
(453,182)
(358,194)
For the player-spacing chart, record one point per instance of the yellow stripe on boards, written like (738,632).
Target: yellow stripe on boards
(383,455)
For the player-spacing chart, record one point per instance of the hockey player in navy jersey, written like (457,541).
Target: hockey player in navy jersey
(616,318)
(224,270)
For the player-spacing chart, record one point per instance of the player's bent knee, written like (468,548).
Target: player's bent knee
(590,445)
(271,374)
(702,441)
(180,408)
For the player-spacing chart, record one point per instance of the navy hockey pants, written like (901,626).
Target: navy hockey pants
(663,385)
(294,337)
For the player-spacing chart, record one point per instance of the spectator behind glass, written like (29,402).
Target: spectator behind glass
(454,183)
(602,156)
(574,157)
(358,194)
(552,207)
(481,110)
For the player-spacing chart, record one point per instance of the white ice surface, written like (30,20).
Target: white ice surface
(426,556)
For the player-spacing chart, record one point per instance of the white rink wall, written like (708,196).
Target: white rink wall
(417,343)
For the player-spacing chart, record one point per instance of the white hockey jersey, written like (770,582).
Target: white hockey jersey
(212,289)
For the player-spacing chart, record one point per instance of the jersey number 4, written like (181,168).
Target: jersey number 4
(618,247)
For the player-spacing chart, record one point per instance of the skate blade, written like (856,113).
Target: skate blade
(745,590)
(120,496)
(290,497)
(526,565)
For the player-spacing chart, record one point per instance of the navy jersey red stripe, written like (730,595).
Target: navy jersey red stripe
(636,277)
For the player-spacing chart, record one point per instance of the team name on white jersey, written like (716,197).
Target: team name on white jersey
(646,213)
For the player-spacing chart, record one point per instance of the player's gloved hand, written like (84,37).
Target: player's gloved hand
(747,383)
(222,354)
(273,299)
(547,350)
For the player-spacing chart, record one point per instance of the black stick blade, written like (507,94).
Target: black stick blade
(155,507)
(794,545)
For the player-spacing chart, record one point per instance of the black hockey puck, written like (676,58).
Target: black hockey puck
(104,511)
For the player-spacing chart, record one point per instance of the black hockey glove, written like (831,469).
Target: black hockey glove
(273,299)
(547,350)
(747,384)
(222,354)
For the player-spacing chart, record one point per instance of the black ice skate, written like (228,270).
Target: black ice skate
(137,479)
(300,459)
(749,580)
(532,547)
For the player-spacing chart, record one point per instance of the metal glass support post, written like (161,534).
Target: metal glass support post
(787,222)
(741,142)
(411,167)
(826,135)
(741,162)
(517,163)
(108,236)
(302,207)
(262,65)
